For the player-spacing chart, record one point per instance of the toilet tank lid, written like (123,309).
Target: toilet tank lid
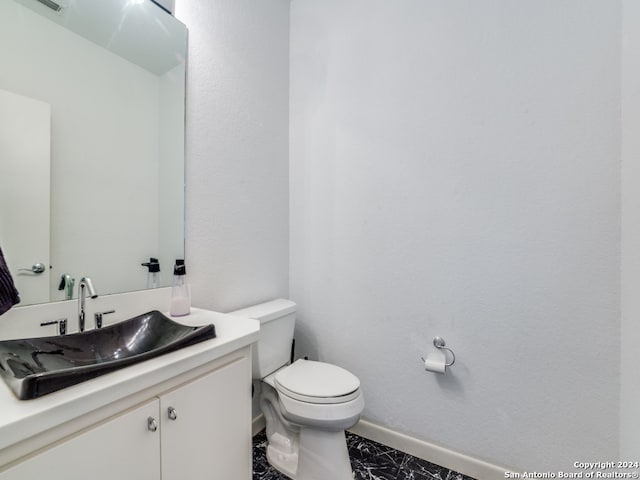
(267,311)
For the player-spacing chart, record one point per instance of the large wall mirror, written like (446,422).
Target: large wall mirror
(91,143)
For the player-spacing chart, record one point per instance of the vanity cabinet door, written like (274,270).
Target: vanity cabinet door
(121,448)
(206,426)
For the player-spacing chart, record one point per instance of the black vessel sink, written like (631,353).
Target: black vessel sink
(34,367)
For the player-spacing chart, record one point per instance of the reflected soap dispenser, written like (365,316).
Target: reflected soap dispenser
(153,277)
(180,296)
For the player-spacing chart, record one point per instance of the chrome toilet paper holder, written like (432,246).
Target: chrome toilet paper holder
(440,344)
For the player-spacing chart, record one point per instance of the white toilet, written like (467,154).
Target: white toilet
(307,405)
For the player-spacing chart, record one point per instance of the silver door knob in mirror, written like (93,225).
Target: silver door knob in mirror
(173,415)
(152,424)
(36,268)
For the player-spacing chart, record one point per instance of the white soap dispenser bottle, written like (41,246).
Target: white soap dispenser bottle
(180,296)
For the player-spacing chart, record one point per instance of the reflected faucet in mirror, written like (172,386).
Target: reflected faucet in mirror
(85,282)
(66,284)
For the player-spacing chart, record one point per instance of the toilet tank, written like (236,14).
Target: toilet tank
(273,348)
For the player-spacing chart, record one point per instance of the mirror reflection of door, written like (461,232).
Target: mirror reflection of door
(25,154)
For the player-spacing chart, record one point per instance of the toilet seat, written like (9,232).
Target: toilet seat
(317,394)
(317,382)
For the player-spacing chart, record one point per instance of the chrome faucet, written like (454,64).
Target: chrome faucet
(61,323)
(98,317)
(85,282)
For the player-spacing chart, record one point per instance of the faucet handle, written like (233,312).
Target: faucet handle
(98,317)
(62,325)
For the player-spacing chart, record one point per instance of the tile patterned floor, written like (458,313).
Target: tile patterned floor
(369,460)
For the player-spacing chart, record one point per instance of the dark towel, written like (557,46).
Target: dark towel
(8,293)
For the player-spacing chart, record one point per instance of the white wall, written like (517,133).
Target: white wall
(237,151)
(630,250)
(455,172)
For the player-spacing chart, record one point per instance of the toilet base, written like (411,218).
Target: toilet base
(282,454)
(323,455)
(301,452)
(320,455)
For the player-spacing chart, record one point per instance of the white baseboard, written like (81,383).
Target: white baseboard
(257,425)
(430,452)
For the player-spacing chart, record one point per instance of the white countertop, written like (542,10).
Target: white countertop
(21,419)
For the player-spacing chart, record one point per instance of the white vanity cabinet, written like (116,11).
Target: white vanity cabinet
(206,426)
(121,447)
(195,429)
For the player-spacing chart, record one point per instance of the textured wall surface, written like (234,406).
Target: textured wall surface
(455,172)
(630,251)
(237,151)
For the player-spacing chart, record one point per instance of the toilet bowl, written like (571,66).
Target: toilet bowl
(307,405)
